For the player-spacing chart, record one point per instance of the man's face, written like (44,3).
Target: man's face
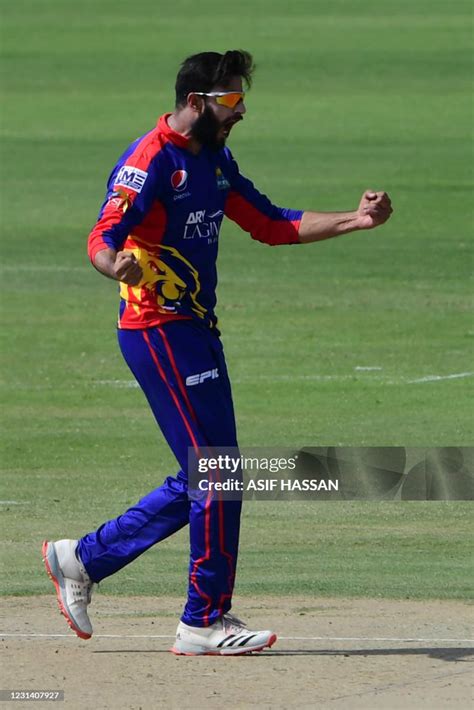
(214,124)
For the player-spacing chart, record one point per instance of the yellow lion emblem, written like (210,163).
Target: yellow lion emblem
(169,275)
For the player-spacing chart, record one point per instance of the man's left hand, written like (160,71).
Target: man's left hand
(374,209)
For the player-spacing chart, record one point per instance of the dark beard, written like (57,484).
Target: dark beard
(205,130)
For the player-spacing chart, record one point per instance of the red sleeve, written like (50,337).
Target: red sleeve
(259,225)
(254,212)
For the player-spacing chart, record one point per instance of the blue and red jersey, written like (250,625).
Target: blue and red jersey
(166,205)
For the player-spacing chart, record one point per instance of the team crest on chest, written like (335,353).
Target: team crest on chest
(222,182)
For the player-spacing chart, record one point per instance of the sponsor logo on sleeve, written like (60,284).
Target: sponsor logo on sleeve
(131,177)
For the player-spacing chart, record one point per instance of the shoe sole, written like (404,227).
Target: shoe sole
(227,652)
(57,585)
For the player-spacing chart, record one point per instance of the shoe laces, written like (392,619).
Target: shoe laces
(232,623)
(82,591)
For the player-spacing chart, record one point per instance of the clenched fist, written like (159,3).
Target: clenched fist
(374,209)
(127,269)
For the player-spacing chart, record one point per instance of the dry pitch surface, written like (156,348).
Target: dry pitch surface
(335,653)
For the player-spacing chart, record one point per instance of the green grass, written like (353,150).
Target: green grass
(347,95)
(363,549)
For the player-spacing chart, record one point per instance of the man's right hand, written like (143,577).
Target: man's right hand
(127,269)
(121,266)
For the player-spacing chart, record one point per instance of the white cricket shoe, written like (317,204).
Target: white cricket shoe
(228,636)
(73,584)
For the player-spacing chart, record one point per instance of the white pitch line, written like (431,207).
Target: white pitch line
(281,638)
(100,636)
(117,383)
(124,384)
(292,378)
(48,268)
(13,502)
(437,378)
(371,377)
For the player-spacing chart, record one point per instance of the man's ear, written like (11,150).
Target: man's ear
(195,102)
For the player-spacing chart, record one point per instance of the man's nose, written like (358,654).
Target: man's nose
(240,108)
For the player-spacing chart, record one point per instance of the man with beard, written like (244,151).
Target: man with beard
(157,234)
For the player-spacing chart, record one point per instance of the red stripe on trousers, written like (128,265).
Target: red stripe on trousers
(177,374)
(182,388)
(207,553)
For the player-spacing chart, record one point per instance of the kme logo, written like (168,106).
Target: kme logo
(131,177)
(202,377)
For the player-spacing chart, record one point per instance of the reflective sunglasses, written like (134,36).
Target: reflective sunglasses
(224,98)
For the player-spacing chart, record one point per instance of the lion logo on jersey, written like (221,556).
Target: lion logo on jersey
(170,277)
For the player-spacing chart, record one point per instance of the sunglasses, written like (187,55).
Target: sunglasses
(224,98)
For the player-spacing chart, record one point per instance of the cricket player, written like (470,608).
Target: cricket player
(157,234)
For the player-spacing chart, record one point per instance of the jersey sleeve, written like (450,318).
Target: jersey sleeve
(132,187)
(255,213)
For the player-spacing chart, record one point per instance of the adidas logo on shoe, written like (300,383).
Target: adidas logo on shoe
(228,636)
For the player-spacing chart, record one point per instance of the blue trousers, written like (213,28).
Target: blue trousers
(192,409)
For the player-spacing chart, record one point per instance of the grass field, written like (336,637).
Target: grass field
(347,95)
